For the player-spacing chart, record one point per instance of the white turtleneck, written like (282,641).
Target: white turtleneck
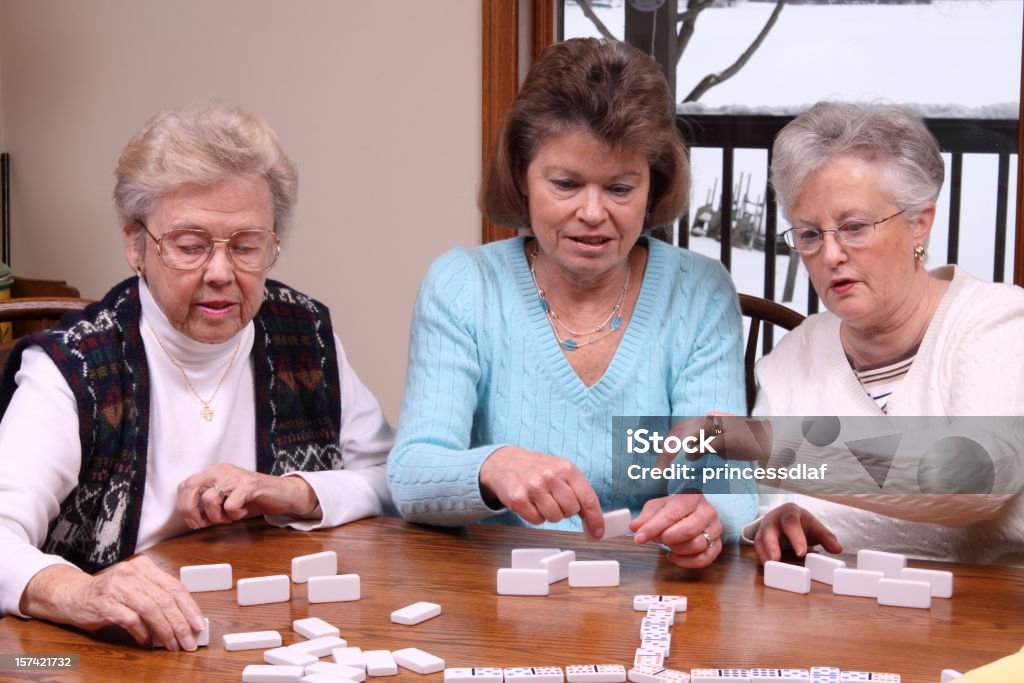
(40,451)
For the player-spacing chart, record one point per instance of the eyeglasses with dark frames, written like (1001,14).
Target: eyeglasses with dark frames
(249,249)
(856,232)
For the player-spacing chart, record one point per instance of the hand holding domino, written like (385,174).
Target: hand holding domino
(540,487)
(150,604)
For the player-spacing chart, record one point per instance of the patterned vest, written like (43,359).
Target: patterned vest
(100,353)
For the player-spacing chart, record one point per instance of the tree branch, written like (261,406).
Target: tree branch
(688,19)
(711,80)
(588,11)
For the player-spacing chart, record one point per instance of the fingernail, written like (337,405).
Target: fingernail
(189,644)
(640,538)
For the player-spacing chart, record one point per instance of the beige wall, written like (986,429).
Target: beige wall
(377,101)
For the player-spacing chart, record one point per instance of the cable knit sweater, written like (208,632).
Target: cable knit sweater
(970,363)
(485,371)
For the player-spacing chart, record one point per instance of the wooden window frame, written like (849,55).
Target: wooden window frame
(501,83)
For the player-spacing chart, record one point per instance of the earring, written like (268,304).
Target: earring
(919,253)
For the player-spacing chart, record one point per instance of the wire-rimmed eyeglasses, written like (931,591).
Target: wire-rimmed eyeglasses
(852,233)
(250,249)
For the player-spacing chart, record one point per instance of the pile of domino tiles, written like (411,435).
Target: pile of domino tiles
(300,662)
(533,570)
(656,639)
(880,575)
(319,571)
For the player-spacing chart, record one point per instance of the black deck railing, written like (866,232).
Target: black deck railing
(955,136)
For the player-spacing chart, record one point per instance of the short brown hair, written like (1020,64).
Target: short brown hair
(608,88)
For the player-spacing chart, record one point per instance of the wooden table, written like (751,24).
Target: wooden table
(733,621)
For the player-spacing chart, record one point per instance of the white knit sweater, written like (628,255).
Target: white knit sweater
(970,363)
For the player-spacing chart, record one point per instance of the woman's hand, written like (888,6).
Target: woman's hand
(225,493)
(736,437)
(541,487)
(789,525)
(685,522)
(136,595)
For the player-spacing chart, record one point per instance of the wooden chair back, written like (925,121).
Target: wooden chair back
(35,313)
(762,311)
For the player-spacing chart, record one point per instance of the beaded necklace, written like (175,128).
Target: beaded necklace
(610,324)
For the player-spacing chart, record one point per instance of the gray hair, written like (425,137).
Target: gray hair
(888,134)
(204,145)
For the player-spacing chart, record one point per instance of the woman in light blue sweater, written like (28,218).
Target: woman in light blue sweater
(524,351)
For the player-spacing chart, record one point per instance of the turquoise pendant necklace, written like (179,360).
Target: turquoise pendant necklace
(610,324)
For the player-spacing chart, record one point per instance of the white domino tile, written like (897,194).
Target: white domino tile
(317,564)
(593,573)
(474,675)
(616,523)
(885,677)
(319,647)
(252,640)
(557,565)
(779,676)
(534,674)
(262,590)
(646,657)
(824,674)
(941,581)
(719,675)
(316,677)
(339,588)
(654,631)
(666,621)
(380,663)
(822,567)
(950,675)
(595,673)
(890,564)
(787,577)
(418,661)
(645,602)
(349,656)
(199,578)
(855,676)
(289,657)
(523,582)
(337,671)
(856,582)
(203,637)
(415,613)
(662,646)
(902,593)
(658,620)
(529,558)
(314,627)
(647,674)
(272,673)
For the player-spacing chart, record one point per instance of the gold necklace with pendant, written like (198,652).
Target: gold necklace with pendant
(207,412)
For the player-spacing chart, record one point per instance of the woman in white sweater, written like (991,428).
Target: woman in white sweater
(859,185)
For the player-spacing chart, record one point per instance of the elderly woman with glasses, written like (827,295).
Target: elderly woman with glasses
(859,185)
(197,393)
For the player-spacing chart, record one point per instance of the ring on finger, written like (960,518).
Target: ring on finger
(709,538)
(223,496)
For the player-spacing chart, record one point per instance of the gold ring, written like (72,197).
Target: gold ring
(708,538)
(223,496)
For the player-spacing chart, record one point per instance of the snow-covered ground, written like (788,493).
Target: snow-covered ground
(951,57)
